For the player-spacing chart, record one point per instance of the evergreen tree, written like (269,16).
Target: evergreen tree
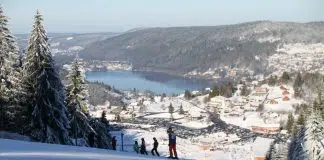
(298,85)
(301,119)
(215,92)
(77,103)
(313,135)
(171,110)
(181,111)
(12,113)
(244,90)
(104,118)
(46,91)
(285,77)
(187,94)
(272,80)
(296,149)
(290,123)
(102,135)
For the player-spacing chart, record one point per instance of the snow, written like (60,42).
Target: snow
(75,48)
(8,135)
(20,150)
(187,148)
(261,146)
(69,38)
(165,116)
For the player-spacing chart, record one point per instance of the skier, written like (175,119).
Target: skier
(136,147)
(91,139)
(172,144)
(143,147)
(155,146)
(114,142)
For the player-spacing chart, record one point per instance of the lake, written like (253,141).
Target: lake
(154,81)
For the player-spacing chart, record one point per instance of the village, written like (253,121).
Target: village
(263,111)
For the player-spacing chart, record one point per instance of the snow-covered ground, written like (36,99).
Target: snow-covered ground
(20,150)
(189,148)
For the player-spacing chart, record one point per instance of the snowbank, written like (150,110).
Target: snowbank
(20,150)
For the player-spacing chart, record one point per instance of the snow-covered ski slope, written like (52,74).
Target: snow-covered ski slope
(21,150)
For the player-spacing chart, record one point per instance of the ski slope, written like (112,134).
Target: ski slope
(21,150)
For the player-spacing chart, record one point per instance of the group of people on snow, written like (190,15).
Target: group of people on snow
(142,148)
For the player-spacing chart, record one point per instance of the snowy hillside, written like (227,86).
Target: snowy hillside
(12,149)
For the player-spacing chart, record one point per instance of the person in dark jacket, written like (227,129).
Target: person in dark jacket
(155,146)
(172,144)
(143,147)
(136,147)
(114,142)
(91,139)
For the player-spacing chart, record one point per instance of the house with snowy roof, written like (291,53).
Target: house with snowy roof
(266,128)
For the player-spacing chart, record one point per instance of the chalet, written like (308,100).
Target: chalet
(218,101)
(285,98)
(285,92)
(283,88)
(116,109)
(272,101)
(261,147)
(260,91)
(266,128)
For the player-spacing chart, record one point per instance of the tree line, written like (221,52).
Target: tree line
(33,99)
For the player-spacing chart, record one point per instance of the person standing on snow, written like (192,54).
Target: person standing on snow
(114,142)
(155,146)
(172,144)
(136,147)
(143,147)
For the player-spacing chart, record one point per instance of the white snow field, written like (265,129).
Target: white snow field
(21,150)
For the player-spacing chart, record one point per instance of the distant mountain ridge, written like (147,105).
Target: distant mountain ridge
(183,50)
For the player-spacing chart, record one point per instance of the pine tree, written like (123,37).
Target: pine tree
(46,91)
(301,119)
(187,95)
(11,112)
(290,122)
(298,85)
(102,134)
(285,77)
(244,91)
(313,135)
(77,103)
(296,149)
(171,110)
(272,80)
(181,111)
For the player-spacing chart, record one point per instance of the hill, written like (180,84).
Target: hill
(190,50)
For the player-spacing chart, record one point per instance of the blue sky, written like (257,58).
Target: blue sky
(81,16)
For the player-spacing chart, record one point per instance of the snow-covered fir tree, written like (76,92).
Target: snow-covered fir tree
(10,84)
(77,103)
(296,149)
(277,151)
(46,91)
(314,133)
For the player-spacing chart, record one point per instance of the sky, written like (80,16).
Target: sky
(83,16)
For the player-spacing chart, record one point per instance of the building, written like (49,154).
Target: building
(283,88)
(217,101)
(285,92)
(259,91)
(285,98)
(266,128)
(272,101)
